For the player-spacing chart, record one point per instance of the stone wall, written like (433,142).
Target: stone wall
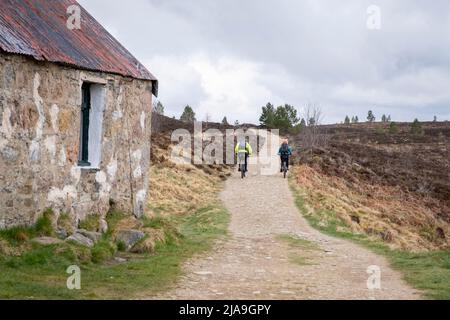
(40,109)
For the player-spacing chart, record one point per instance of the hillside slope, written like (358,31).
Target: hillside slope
(391,186)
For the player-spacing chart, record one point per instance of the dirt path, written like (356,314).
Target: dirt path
(257,263)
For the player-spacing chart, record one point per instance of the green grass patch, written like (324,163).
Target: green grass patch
(297,243)
(40,273)
(65,222)
(113,218)
(103,250)
(300,260)
(299,249)
(91,223)
(20,234)
(426,271)
(169,225)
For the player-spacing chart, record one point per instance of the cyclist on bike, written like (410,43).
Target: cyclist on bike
(244,147)
(285,152)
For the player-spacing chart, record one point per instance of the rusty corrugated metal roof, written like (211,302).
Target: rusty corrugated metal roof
(38,28)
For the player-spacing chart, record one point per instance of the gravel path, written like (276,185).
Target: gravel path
(256,263)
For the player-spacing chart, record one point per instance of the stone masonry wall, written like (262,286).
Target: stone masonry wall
(40,110)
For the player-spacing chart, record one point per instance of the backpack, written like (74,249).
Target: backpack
(242,146)
(284,150)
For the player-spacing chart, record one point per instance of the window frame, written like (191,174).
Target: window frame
(92,112)
(83,153)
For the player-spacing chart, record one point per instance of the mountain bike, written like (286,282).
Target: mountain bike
(284,167)
(241,161)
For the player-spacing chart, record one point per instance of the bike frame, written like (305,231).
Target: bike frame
(241,162)
(284,162)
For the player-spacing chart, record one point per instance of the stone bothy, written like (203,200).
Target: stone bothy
(75,110)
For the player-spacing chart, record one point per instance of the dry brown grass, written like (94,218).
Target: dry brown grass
(175,190)
(6,249)
(181,189)
(154,236)
(128,222)
(9,250)
(399,218)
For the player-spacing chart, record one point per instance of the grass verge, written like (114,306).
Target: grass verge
(428,272)
(40,273)
(184,218)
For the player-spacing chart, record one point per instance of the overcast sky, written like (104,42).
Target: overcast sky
(230,57)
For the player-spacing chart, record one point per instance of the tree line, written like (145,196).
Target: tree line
(370,118)
(415,127)
(282,117)
(286,117)
(188,114)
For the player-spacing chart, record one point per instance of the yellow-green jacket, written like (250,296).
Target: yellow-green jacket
(248,148)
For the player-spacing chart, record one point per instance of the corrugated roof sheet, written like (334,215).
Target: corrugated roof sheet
(38,28)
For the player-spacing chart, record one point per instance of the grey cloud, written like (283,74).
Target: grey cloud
(313,50)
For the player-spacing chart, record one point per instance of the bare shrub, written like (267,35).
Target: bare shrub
(313,135)
(424,188)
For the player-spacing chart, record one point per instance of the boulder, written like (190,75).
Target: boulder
(47,241)
(129,237)
(80,239)
(94,236)
(61,233)
(103,226)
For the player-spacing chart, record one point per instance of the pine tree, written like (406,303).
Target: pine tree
(347,120)
(159,108)
(285,117)
(384,118)
(268,115)
(370,116)
(416,127)
(225,121)
(393,128)
(188,115)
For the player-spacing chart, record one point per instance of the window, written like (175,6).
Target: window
(92,108)
(85,110)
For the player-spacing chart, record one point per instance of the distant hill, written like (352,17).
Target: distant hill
(163,124)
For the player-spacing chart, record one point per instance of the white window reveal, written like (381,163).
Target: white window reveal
(92,110)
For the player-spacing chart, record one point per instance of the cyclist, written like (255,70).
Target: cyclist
(244,147)
(285,152)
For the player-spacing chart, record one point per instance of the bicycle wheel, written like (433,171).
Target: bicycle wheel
(242,171)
